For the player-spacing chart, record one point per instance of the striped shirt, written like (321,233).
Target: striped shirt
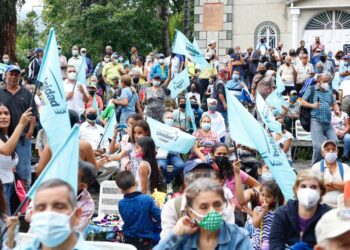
(266,226)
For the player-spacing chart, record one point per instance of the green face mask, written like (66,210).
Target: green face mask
(212,221)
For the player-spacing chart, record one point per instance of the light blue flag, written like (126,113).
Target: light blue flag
(279,84)
(109,129)
(184,47)
(336,81)
(276,100)
(195,44)
(266,115)
(54,114)
(170,138)
(95,105)
(3,67)
(246,130)
(63,164)
(189,113)
(81,76)
(179,83)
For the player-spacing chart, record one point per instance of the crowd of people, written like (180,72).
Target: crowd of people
(220,195)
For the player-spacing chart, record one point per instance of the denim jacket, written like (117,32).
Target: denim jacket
(231,237)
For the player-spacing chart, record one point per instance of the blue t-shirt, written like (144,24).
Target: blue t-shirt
(132,99)
(343,68)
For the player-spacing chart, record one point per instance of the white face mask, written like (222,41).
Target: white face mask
(325,86)
(331,157)
(267,176)
(72,76)
(161,61)
(308,197)
(6,61)
(75,52)
(106,59)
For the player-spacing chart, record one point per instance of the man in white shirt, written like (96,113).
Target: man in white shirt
(304,71)
(76,92)
(92,132)
(76,60)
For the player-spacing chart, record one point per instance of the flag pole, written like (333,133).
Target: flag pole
(37,83)
(76,77)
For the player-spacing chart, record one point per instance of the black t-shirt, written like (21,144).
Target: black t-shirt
(17,105)
(219,88)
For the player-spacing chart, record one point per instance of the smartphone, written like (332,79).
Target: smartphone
(122,127)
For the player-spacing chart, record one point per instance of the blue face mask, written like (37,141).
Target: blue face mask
(169,122)
(293,98)
(51,228)
(206,126)
(235,78)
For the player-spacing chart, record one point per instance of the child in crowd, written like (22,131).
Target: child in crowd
(270,198)
(138,211)
(147,174)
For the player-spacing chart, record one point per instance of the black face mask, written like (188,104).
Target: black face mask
(323,59)
(194,105)
(262,72)
(91,117)
(182,105)
(92,92)
(221,160)
(136,80)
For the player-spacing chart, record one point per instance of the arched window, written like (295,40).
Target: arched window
(269,31)
(330,20)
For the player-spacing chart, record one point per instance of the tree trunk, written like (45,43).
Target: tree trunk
(187,18)
(8,22)
(164,15)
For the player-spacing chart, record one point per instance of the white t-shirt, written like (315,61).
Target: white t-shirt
(228,193)
(92,134)
(76,103)
(285,137)
(331,198)
(287,75)
(345,87)
(198,97)
(6,168)
(304,72)
(338,122)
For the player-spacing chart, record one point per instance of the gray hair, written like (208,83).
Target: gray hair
(203,185)
(52,183)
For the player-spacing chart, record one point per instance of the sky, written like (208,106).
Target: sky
(30,5)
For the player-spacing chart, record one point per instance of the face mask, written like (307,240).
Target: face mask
(75,53)
(161,61)
(325,86)
(323,59)
(212,107)
(59,52)
(206,126)
(92,92)
(308,197)
(72,76)
(51,228)
(156,83)
(293,98)
(182,105)
(221,160)
(235,78)
(6,61)
(262,72)
(169,122)
(139,155)
(212,221)
(83,53)
(106,59)
(331,157)
(267,176)
(91,117)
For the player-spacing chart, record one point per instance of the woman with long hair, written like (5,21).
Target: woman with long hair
(8,156)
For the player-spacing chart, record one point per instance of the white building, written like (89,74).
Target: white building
(244,22)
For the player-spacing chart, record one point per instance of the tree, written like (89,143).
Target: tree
(8,22)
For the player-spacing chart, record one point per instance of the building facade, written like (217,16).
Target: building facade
(244,22)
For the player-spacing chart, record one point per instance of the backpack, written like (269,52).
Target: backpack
(305,113)
(340,165)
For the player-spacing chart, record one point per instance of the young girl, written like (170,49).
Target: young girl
(147,174)
(270,198)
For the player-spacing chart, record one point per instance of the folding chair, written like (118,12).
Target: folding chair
(300,135)
(110,195)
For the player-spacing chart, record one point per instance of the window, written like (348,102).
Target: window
(330,20)
(268,31)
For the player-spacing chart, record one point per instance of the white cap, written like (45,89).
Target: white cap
(333,224)
(211,42)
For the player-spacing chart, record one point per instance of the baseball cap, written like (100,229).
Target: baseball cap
(333,224)
(196,164)
(82,50)
(346,57)
(211,42)
(93,85)
(39,50)
(293,92)
(156,76)
(12,68)
(161,56)
(329,142)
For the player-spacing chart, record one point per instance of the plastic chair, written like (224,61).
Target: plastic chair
(110,195)
(300,135)
(101,245)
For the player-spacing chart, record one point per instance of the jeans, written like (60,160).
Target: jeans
(320,132)
(176,162)
(346,141)
(8,191)
(24,152)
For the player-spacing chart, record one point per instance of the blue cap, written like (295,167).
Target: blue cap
(196,164)
(12,68)
(346,57)
(156,76)
(39,50)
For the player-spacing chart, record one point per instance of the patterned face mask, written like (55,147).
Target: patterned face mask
(212,221)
